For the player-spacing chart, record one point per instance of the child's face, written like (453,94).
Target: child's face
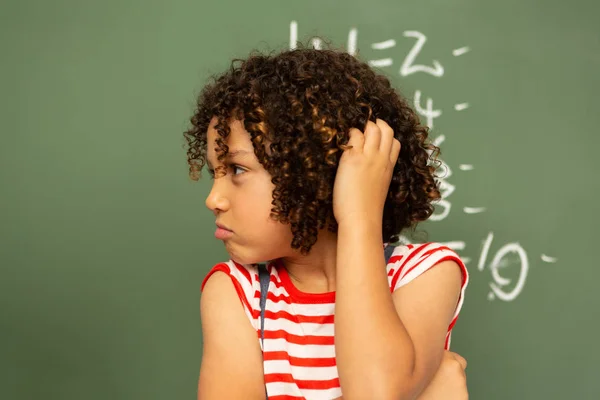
(241,201)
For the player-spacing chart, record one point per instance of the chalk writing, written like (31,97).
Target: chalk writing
(509,256)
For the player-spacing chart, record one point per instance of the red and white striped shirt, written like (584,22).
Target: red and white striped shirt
(299,353)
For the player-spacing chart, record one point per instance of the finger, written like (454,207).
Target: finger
(387,136)
(395,152)
(372,136)
(357,139)
(461,360)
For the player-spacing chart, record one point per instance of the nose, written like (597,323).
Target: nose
(217,200)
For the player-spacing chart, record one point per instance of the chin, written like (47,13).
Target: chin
(239,257)
(243,257)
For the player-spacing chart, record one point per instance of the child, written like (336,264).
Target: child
(317,164)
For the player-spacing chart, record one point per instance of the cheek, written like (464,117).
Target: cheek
(260,237)
(257,207)
(255,202)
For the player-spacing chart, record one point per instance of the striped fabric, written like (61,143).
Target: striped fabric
(299,353)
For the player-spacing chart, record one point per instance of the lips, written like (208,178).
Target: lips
(222,232)
(223,227)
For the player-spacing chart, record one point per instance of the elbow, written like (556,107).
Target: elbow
(391,389)
(401,388)
(401,394)
(404,393)
(388,395)
(394,381)
(407,389)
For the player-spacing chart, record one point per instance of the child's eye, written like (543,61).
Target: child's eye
(237,170)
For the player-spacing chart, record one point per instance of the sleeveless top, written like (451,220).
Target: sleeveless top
(299,353)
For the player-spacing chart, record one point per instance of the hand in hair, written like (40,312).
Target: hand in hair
(364,173)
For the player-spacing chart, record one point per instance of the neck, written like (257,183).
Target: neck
(315,272)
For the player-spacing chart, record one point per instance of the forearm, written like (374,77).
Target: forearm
(430,392)
(374,352)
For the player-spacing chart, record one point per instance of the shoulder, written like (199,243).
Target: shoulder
(239,279)
(241,273)
(438,295)
(409,261)
(230,344)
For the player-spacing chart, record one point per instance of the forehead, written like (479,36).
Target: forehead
(238,137)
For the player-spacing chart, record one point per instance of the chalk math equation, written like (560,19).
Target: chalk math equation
(507,255)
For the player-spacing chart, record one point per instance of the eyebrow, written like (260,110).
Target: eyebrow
(232,155)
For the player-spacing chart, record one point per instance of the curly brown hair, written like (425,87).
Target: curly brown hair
(298,107)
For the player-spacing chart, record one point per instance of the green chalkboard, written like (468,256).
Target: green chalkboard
(104,239)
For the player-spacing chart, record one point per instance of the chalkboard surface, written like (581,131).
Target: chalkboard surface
(105,239)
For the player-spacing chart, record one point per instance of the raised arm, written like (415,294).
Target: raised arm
(387,346)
